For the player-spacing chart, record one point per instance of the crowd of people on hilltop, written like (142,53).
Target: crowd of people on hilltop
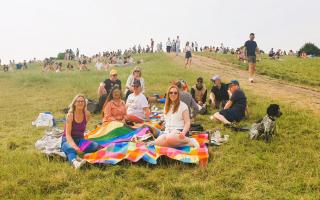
(129,104)
(12,66)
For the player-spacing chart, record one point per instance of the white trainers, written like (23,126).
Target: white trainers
(78,164)
(194,143)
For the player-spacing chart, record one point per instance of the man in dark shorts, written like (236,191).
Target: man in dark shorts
(251,48)
(106,86)
(219,93)
(234,110)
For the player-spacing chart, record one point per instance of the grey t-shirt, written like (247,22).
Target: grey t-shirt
(186,98)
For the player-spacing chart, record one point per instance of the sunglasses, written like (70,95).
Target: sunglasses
(114,75)
(137,71)
(175,93)
(80,101)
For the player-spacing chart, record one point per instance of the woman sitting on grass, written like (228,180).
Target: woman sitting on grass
(77,119)
(137,104)
(177,122)
(136,75)
(114,108)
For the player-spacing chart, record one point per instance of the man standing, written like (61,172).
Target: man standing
(177,46)
(77,54)
(251,48)
(169,44)
(152,45)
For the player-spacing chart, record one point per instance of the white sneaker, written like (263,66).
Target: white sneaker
(78,164)
(194,143)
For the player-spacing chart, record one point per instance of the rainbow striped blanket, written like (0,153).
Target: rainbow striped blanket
(115,140)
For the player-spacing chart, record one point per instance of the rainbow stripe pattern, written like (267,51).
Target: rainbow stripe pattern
(115,138)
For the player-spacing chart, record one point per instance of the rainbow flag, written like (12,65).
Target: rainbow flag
(117,146)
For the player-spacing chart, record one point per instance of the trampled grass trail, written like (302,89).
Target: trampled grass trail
(287,168)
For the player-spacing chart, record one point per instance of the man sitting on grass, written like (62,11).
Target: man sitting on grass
(234,110)
(199,94)
(219,93)
(106,86)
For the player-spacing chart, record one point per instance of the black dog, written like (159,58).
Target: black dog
(265,128)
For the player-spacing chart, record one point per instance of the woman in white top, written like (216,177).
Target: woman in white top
(188,49)
(177,122)
(136,75)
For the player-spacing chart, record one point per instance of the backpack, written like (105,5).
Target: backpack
(93,106)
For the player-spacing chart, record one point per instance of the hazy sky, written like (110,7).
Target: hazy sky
(42,28)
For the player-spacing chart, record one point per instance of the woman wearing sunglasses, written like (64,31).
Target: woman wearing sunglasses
(177,122)
(136,75)
(77,119)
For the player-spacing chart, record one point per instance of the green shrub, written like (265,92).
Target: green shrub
(310,49)
(60,56)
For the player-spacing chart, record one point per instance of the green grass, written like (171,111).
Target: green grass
(289,68)
(287,168)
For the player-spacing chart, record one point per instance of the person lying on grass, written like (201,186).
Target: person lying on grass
(114,108)
(177,122)
(137,104)
(235,108)
(74,129)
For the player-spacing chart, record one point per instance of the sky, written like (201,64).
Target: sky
(42,28)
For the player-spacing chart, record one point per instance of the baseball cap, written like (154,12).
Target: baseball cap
(113,72)
(216,77)
(233,82)
(136,83)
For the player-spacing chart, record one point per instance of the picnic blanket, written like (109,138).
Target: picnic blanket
(115,138)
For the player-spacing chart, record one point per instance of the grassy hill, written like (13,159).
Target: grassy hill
(289,68)
(287,168)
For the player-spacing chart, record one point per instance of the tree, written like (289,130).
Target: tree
(310,49)
(60,56)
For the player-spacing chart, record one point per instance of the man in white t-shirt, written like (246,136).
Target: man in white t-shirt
(137,104)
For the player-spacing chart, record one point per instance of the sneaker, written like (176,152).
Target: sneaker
(194,143)
(78,164)
(251,80)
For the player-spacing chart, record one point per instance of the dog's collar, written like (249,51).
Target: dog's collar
(273,119)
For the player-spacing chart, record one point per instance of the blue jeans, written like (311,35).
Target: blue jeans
(71,153)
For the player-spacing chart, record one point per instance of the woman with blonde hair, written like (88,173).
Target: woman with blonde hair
(135,75)
(74,129)
(177,122)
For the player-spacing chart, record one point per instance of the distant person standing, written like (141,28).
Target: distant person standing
(188,56)
(177,45)
(168,45)
(251,48)
(196,46)
(77,53)
(152,45)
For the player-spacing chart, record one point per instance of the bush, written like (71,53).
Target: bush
(310,49)
(60,56)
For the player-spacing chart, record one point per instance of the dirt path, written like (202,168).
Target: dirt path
(264,86)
